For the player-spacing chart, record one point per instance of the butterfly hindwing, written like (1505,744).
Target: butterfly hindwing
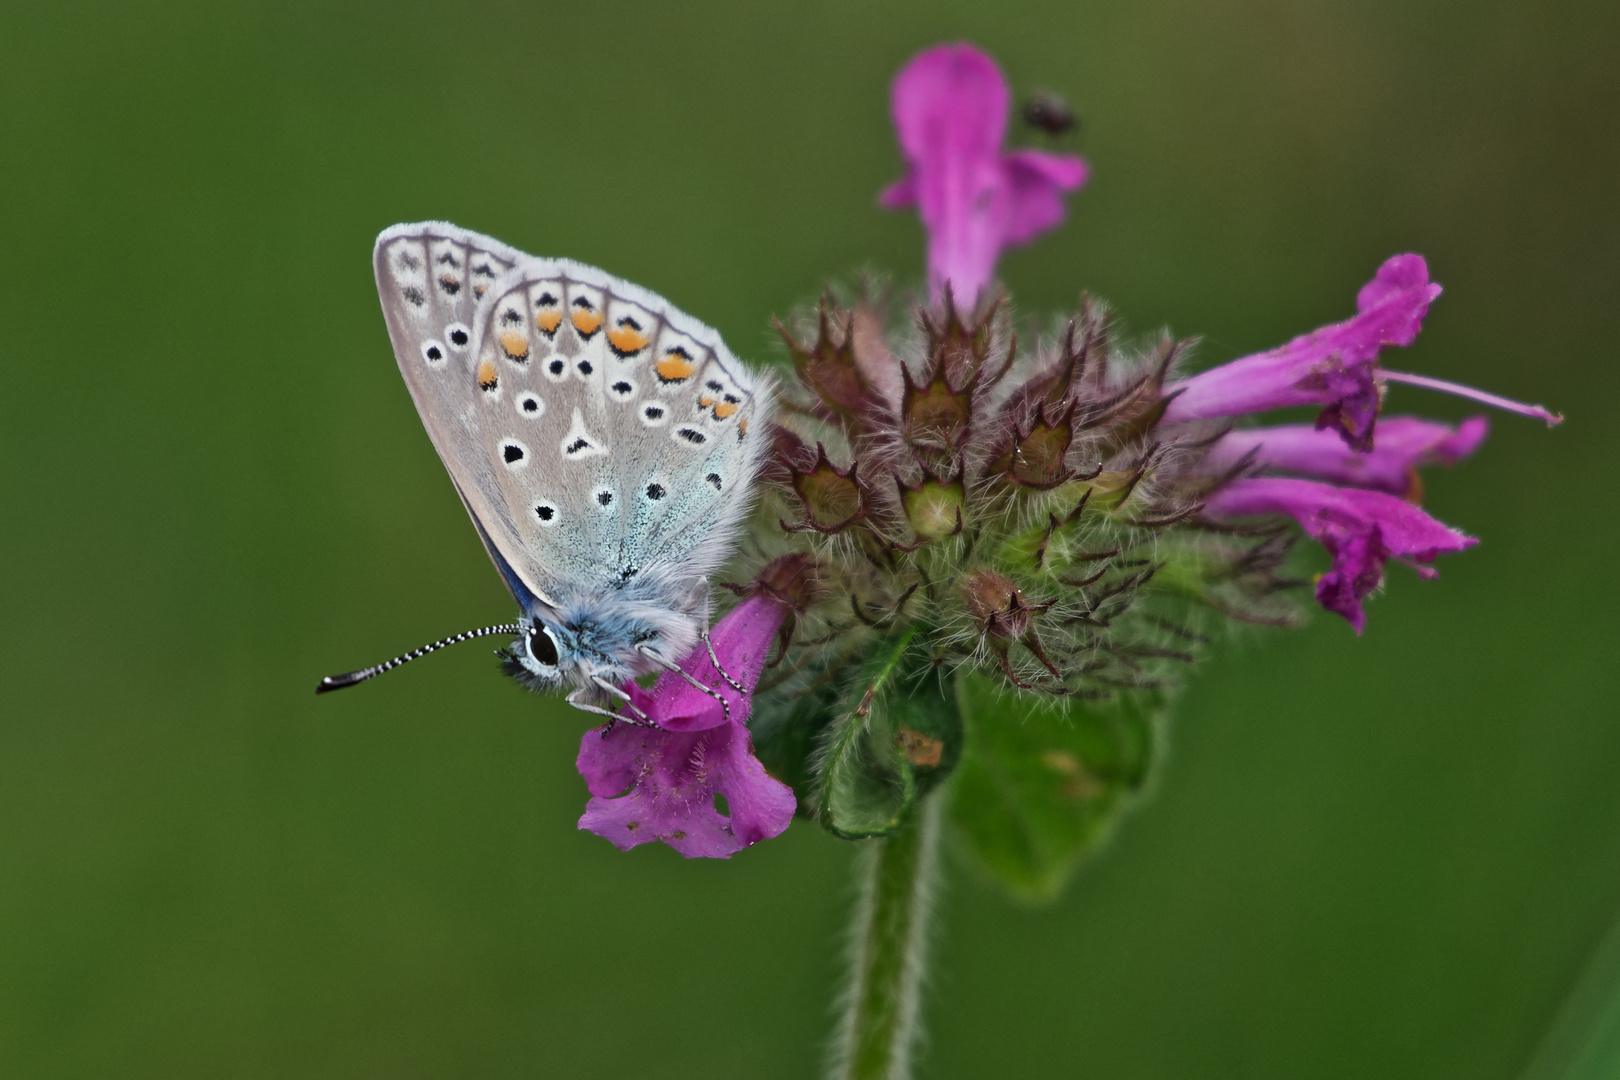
(633,421)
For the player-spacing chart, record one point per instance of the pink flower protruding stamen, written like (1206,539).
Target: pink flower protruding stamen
(1334,367)
(1537,412)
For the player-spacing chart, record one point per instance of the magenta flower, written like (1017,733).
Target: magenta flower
(950,111)
(660,784)
(1360,529)
(1335,367)
(1405,443)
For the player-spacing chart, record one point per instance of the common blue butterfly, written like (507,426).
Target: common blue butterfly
(604,443)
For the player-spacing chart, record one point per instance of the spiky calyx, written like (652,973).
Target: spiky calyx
(1020,522)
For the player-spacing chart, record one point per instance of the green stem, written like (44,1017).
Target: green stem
(889,947)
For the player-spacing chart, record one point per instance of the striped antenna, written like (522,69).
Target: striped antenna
(338,682)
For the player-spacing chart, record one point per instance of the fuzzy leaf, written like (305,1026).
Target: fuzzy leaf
(1042,782)
(900,734)
(866,786)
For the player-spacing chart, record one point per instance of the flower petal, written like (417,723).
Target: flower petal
(741,641)
(950,102)
(900,195)
(673,778)
(1036,182)
(1360,529)
(1404,443)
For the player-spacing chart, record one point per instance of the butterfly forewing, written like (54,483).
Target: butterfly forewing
(600,437)
(432,279)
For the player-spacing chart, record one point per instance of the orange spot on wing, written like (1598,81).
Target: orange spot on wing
(548,320)
(587,322)
(742,427)
(723,410)
(675,366)
(705,401)
(487,379)
(626,341)
(515,344)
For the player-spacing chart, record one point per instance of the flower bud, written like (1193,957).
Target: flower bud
(933,508)
(831,497)
(997,604)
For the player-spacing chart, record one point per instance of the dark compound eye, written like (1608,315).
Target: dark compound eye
(542,648)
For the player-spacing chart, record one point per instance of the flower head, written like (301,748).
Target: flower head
(660,783)
(950,111)
(1360,529)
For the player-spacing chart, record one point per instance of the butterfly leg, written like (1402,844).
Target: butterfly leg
(636,716)
(725,706)
(709,645)
(613,717)
(715,660)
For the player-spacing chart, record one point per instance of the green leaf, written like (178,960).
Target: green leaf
(900,733)
(1042,781)
(865,785)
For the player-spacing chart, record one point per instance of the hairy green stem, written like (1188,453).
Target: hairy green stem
(889,944)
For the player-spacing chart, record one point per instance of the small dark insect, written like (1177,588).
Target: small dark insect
(1047,112)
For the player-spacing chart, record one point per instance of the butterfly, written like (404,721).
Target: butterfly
(604,444)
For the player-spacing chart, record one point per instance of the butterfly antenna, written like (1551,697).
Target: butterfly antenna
(338,682)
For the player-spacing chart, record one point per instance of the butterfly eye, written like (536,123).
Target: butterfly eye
(542,648)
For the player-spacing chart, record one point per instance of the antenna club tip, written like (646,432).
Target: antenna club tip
(337,682)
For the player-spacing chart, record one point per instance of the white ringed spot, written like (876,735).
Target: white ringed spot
(514,455)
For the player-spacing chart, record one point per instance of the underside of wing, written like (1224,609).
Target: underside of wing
(600,438)
(433,278)
(619,428)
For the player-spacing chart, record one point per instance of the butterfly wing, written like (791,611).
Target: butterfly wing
(599,437)
(432,277)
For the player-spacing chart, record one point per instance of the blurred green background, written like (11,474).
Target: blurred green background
(1388,857)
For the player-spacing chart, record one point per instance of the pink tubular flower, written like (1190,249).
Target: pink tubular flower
(950,111)
(674,772)
(1405,443)
(1360,529)
(1335,367)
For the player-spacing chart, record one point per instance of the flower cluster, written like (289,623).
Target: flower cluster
(1055,521)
